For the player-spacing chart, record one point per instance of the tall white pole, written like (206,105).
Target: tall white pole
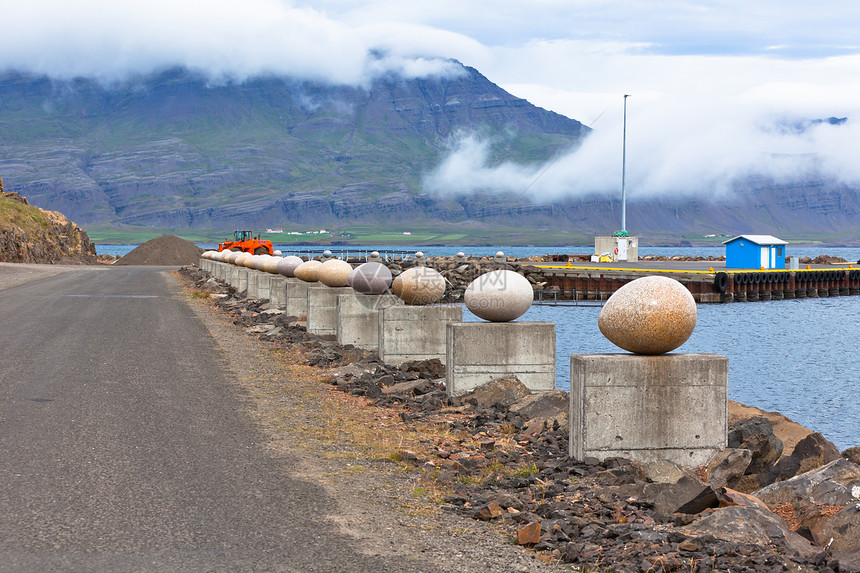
(624,169)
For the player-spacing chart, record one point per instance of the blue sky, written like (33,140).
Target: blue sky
(711,82)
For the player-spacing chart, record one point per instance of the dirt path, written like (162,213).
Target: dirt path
(379,503)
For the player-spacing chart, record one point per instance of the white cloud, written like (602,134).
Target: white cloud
(466,169)
(108,40)
(674,147)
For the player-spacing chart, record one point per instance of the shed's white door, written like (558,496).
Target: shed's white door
(765,257)
(622,249)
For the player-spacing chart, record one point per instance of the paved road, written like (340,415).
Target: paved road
(123,447)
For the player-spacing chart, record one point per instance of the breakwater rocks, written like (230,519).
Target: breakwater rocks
(459,272)
(772,501)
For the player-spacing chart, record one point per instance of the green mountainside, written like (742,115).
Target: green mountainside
(173,153)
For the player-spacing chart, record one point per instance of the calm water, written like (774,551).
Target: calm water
(797,357)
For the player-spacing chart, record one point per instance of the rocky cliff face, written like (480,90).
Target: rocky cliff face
(32,235)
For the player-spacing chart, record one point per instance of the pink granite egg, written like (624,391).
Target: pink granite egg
(650,315)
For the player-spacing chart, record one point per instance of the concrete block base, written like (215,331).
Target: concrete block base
(264,285)
(253,274)
(277,291)
(231,276)
(646,408)
(479,352)
(242,279)
(409,333)
(358,318)
(322,308)
(297,296)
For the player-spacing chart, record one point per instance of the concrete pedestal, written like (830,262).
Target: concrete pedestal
(322,308)
(646,408)
(297,296)
(479,352)
(277,291)
(409,333)
(358,318)
(242,283)
(252,283)
(232,276)
(264,285)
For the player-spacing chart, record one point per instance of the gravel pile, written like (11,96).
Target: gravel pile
(166,250)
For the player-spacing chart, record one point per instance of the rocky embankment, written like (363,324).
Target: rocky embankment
(780,498)
(32,235)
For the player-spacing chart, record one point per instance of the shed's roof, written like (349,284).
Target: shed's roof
(759,240)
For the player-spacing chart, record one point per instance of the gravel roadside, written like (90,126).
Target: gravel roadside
(380,505)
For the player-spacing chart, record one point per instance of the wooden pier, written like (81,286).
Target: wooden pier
(706,282)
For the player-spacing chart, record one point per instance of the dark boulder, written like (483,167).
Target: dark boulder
(728,467)
(756,435)
(811,452)
(501,392)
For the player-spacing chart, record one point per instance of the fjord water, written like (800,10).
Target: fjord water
(797,357)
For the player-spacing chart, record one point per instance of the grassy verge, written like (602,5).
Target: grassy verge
(14,214)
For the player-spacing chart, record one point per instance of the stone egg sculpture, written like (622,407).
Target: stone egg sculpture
(270,265)
(419,285)
(287,266)
(650,315)
(499,296)
(370,278)
(334,273)
(240,260)
(308,271)
(259,261)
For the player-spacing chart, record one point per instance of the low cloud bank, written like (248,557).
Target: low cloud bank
(672,150)
(110,41)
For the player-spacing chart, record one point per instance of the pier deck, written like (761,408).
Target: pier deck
(708,281)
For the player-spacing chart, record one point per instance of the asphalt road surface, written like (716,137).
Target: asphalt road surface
(123,447)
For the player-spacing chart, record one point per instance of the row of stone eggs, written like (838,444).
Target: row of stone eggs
(650,315)
(496,296)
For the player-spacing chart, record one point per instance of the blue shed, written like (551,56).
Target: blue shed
(754,252)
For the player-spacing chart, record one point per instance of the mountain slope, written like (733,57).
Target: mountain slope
(174,152)
(171,150)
